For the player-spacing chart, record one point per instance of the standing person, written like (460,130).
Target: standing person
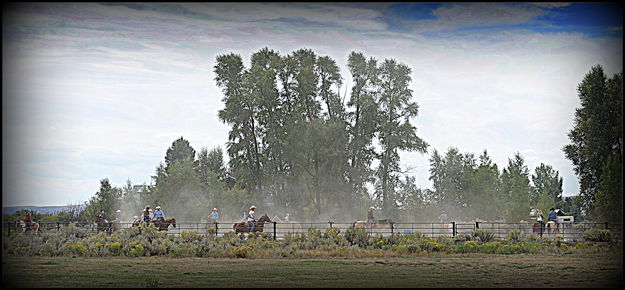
(213,216)
(370,217)
(251,219)
(146,214)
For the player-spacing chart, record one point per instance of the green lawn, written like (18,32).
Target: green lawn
(466,270)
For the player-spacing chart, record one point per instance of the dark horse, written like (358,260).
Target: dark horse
(244,227)
(164,225)
(104,226)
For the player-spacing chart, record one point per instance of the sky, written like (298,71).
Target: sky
(101,90)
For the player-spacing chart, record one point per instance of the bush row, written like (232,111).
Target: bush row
(147,240)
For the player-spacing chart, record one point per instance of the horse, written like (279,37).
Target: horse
(20,227)
(104,226)
(163,226)
(290,227)
(244,227)
(383,223)
(537,228)
(552,227)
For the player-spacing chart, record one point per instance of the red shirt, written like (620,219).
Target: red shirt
(27,219)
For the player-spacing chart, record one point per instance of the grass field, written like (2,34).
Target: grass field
(466,270)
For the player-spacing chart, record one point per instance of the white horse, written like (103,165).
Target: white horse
(286,227)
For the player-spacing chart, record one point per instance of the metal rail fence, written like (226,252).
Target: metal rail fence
(276,230)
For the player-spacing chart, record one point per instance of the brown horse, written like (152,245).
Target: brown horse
(163,226)
(244,227)
(104,226)
(379,224)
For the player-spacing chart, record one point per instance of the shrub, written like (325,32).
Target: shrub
(515,235)
(357,236)
(597,235)
(242,252)
(484,235)
(461,238)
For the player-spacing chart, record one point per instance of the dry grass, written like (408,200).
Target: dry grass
(467,270)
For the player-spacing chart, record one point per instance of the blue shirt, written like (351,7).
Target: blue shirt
(552,216)
(214,215)
(159,214)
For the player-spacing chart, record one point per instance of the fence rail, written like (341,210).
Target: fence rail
(568,231)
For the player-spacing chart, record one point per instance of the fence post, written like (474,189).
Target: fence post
(477,225)
(274,231)
(330,223)
(216,229)
(606,226)
(392,228)
(541,229)
(58,227)
(9,227)
(453,231)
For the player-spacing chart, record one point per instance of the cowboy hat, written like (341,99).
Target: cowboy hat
(118,210)
(372,208)
(214,208)
(158,207)
(251,207)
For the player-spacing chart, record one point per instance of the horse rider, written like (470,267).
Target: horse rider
(28,221)
(540,218)
(250,218)
(553,216)
(370,218)
(101,217)
(214,215)
(159,215)
(146,214)
(443,217)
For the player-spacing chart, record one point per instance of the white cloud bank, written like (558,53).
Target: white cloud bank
(81,103)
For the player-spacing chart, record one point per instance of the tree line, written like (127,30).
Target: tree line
(296,145)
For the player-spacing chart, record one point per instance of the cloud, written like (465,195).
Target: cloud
(98,91)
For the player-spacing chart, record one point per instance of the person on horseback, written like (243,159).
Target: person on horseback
(146,214)
(443,217)
(159,215)
(250,218)
(27,221)
(370,218)
(101,217)
(214,216)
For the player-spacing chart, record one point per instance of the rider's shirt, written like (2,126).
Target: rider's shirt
(159,214)
(250,216)
(553,216)
(214,215)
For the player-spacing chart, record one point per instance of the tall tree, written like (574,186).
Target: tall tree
(396,132)
(516,189)
(107,198)
(597,132)
(546,180)
(180,149)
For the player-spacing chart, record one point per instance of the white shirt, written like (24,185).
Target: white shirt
(250,216)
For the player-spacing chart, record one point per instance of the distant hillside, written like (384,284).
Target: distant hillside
(39,209)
